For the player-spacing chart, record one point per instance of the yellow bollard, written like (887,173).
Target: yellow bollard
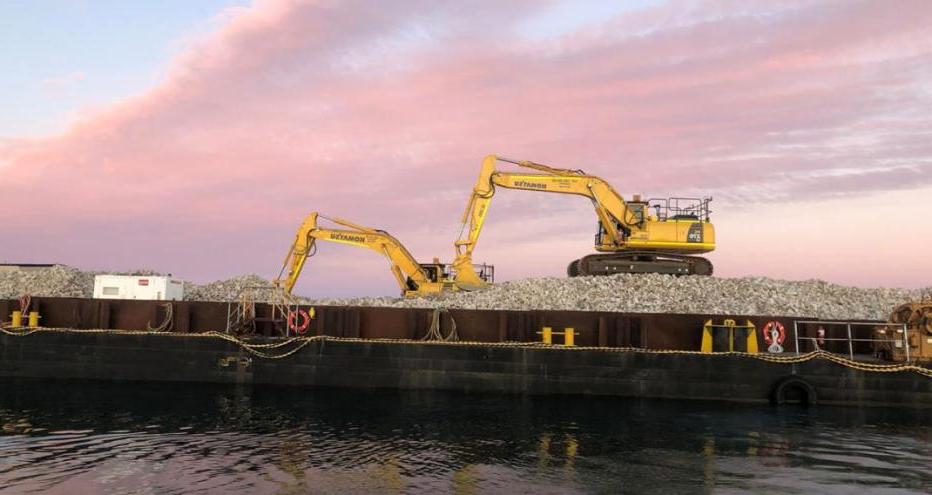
(741,333)
(706,345)
(752,338)
(547,335)
(33,319)
(569,337)
(17,318)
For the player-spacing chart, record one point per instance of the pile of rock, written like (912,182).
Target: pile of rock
(655,293)
(55,281)
(229,289)
(65,281)
(621,293)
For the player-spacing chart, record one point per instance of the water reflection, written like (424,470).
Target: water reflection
(105,438)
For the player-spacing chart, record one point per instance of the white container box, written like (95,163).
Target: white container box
(149,288)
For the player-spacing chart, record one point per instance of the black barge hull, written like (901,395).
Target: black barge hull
(615,354)
(333,362)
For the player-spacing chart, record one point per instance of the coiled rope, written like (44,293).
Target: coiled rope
(434,334)
(167,322)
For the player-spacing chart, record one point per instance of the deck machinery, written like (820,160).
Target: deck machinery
(916,319)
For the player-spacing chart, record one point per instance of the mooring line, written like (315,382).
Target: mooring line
(260,350)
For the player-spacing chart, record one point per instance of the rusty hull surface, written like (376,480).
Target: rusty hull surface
(595,329)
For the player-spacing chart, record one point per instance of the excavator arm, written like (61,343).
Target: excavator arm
(410,275)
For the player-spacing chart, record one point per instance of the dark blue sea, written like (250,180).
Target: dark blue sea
(80,437)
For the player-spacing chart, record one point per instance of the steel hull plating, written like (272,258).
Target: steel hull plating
(329,362)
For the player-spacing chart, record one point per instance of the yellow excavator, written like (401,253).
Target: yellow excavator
(414,279)
(639,236)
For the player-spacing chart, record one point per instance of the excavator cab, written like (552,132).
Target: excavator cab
(442,272)
(436,271)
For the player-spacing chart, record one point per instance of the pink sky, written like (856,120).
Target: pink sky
(809,122)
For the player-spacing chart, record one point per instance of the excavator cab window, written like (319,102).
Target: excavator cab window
(638,210)
(435,272)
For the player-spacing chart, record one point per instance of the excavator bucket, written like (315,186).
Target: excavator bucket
(466,277)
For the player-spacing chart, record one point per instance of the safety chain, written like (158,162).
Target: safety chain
(298,343)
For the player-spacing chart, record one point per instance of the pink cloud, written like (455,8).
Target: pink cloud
(382,116)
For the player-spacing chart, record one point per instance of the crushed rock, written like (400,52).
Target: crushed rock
(656,293)
(66,281)
(227,290)
(56,281)
(643,293)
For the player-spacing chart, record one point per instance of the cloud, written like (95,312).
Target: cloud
(382,115)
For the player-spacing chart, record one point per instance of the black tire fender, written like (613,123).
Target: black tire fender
(779,391)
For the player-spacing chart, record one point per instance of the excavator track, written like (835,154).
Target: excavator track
(639,262)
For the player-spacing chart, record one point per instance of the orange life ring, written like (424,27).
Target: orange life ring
(293,321)
(781,332)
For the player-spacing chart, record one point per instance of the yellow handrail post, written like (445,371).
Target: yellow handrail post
(706,345)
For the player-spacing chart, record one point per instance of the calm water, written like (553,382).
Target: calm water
(104,438)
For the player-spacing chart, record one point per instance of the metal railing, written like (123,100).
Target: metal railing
(901,328)
(685,208)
